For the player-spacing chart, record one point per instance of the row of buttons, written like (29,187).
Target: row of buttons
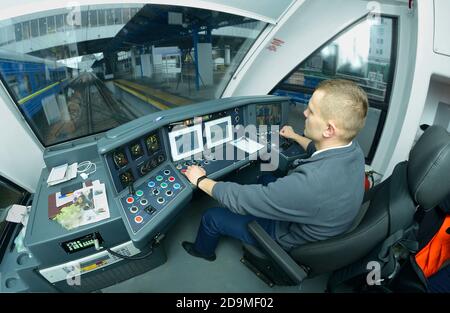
(200,163)
(138,218)
(155,192)
(160,178)
(164,185)
(150,210)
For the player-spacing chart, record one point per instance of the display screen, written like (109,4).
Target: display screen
(218,131)
(186,141)
(81,243)
(126,178)
(120,158)
(268,114)
(152,143)
(136,150)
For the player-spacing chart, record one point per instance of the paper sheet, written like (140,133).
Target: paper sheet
(70,173)
(57,173)
(17,214)
(248,145)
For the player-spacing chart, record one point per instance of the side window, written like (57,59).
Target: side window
(364,53)
(9,194)
(11,80)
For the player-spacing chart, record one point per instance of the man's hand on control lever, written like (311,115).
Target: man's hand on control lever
(287,132)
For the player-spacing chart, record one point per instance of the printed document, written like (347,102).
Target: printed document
(89,205)
(248,145)
(68,172)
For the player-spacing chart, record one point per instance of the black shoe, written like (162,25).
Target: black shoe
(189,247)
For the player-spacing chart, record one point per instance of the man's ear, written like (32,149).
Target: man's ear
(331,130)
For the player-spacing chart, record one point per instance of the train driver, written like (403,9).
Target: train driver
(319,199)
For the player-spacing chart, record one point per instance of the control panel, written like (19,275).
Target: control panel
(134,160)
(236,115)
(203,140)
(209,163)
(151,197)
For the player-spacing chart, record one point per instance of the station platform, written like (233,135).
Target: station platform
(156,97)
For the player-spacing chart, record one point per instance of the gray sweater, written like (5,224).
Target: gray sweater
(319,199)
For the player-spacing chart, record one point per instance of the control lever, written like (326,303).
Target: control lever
(286,144)
(97,242)
(131,188)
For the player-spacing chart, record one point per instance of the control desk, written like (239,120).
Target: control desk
(141,164)
(146,165)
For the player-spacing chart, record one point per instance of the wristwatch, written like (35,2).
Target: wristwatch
(200,179)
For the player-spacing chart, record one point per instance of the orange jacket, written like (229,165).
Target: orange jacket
(437,251)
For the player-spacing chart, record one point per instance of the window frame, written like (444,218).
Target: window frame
(383,106)
(41,81)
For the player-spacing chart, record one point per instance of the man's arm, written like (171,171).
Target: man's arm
(207,186)
(193,173)
(279,200)
(289,133)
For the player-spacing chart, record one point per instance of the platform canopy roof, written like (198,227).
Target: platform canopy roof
(265,10)
(162,25)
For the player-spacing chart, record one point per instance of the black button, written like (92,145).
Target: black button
(150,210)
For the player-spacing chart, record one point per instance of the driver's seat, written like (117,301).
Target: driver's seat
(387,208)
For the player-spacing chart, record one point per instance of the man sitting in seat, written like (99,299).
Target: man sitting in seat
(319,199)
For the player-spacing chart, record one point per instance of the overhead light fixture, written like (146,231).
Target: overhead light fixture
(175,18)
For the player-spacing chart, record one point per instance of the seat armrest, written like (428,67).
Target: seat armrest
(277,254)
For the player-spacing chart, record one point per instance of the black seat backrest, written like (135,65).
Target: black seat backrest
(422,180)
(429,167)
(331,254)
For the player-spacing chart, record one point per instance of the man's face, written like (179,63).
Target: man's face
(315,125)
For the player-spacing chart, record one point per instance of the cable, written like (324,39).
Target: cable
(86,166)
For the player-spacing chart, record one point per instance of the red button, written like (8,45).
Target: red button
(130,200)
(138,219)
(171,178)
(183,170)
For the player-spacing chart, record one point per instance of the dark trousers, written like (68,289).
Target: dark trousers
(440,282)
(221,221)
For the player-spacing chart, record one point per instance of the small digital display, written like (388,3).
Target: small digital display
(186,141)
(119,158)
(126,178)
(218,131)
(81,243)
(152,143)
(268,114)
(136,150)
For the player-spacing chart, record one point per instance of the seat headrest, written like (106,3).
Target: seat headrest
(429,167)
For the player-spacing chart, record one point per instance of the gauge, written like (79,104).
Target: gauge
(126,178)
(136,150)
(119,158)
(152,143)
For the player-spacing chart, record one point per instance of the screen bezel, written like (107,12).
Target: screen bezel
(209,124)
(183,131)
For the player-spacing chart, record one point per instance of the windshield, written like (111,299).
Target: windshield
(78,71)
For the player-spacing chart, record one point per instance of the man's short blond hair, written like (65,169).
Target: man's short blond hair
(345,103)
